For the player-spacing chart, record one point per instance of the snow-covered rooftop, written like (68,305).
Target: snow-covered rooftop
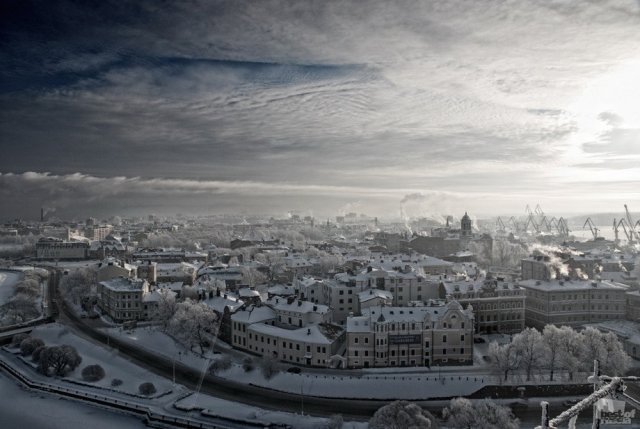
(567,285)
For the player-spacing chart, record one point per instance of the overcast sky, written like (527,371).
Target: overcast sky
(320,107)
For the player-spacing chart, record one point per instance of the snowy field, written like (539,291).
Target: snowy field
(18,406)
(7,280)
(114,365)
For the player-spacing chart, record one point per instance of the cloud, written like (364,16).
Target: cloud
(458,97)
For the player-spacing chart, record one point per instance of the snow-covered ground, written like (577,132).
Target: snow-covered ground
(8,279)
(20,409)
(212,406)
(435,383)
(114,365)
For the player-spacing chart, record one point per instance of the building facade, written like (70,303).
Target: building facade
(573,302)
(410,336)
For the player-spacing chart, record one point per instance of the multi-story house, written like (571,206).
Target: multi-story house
(573,302)
(410,336)
(498,306)
(122,298)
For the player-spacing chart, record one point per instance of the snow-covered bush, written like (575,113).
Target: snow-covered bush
(222,364)
(486,414)
(92,373)
(116,382)
(58,359)
(269,367)
(402,415)
(248,364)
(29,344)
(35,356)
(147,389)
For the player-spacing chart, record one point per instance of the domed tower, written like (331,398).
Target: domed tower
(465,225)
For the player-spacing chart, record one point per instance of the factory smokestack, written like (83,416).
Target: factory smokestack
(41,214)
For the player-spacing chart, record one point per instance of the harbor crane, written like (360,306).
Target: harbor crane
(592,227)
(500,225)
(631,224)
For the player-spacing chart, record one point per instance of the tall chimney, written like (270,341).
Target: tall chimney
(41,214)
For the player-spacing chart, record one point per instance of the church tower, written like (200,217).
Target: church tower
(465,226)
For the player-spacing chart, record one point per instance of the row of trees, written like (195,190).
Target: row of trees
(23,304)
(559,349)
(460,414)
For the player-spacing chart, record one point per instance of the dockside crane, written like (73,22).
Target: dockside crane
(563,227)
(592,227)
(631,224)
(500,225)
(627,231)
(514,222)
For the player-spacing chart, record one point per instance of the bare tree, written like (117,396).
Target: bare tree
(59,360)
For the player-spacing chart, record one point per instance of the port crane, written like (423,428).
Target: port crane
(631,224)
(592,227)
(500,225)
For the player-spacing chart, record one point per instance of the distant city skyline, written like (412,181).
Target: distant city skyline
(321,107)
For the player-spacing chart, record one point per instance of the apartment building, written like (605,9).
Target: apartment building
(498,306)
(122,298)
(573,302)
(410,336)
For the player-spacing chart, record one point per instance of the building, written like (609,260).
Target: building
(111,268)
(122,298)
(410,336)
(573,302)
(176,272)
(256,330)
(498,306)
(55,248)
(99,232)
(293,312)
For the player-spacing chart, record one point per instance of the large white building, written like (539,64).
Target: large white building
(573,302)
(410,336)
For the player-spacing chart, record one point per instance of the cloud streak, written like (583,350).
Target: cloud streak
(470,98)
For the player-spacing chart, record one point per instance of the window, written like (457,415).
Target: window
(355,340)
(366,340)
(444,338)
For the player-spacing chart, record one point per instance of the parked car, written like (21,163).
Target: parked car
(294,370)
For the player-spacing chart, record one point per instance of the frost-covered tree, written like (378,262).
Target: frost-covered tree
(78,285)
(19,309)
(402,415)
(504,358)
(615,361)
(529,346)
(167,306)
(552,339)
(570,350)
(58,360)
(252,276)
(485,414)
(607,349)
(194,323)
